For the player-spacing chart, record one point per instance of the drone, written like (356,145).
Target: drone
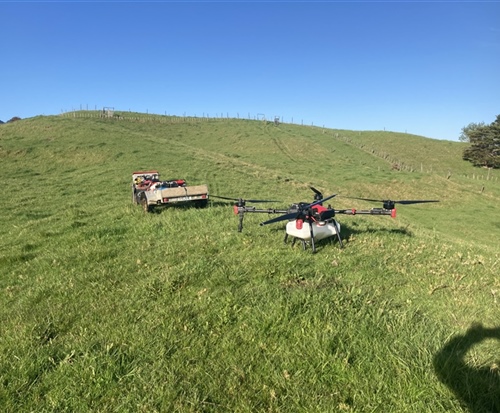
(312,222)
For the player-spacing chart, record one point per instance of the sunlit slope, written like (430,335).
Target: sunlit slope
(250,159)
(103,305)
(411,151)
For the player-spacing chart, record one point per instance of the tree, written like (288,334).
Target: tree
(466,130)
(485,145)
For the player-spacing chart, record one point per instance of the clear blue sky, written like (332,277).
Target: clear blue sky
(424,67)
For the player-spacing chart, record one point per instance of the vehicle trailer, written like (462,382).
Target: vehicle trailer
(149,191)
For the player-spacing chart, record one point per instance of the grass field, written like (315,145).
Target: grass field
(104,308)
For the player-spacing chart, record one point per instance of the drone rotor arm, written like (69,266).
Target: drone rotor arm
(243,209)
(373,211)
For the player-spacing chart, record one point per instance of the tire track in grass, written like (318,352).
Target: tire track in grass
(219,169)
(226,162)
(277,141)
(280,144)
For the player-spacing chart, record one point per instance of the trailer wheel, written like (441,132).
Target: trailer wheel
(201,203)
(144,204)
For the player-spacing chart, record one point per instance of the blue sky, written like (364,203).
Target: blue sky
(422,67)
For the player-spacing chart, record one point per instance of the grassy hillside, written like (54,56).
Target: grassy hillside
(104,308)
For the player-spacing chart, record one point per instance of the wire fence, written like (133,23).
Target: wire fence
(396,163)
(110,113)
(399,165)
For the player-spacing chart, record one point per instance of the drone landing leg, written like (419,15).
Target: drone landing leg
(240,225)
(286,238)
(338,233)
(313,247)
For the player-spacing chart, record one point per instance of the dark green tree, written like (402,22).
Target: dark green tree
(466,130)
(484,150)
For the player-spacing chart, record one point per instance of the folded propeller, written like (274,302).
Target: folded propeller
(240,201)
(388,204)
(302,211)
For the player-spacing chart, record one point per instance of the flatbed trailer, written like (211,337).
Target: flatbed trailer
(149,191)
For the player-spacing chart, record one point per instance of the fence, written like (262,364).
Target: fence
(399,165)
(166,118)
(395,163)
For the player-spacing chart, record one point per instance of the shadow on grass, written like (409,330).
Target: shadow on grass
(180,206)
(477,388)
(348,231)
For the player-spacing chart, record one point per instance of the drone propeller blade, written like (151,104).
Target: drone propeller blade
(419,201)
(241,199)
(320,201)
(315,191)
(223,197)
(286,217)
(260,200)
(317,195)
(402,202)
(296,214)
(364,199)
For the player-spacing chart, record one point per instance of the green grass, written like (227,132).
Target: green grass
(104,308)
